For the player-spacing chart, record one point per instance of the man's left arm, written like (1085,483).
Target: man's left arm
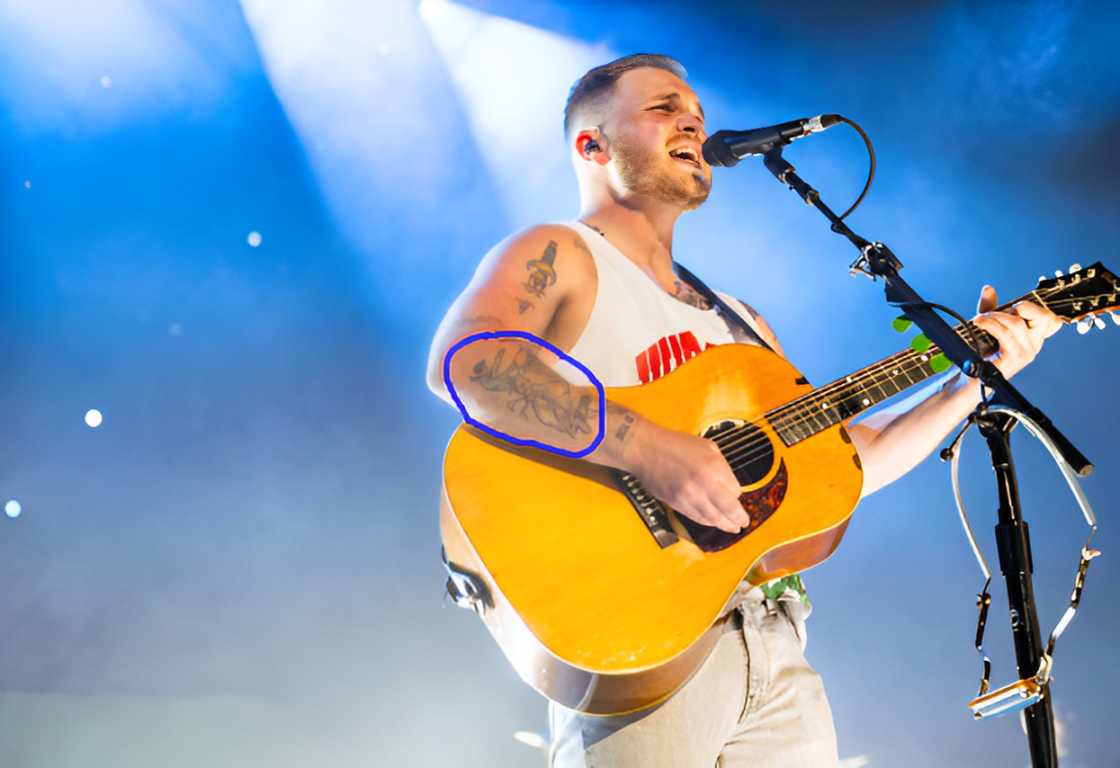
(894,440)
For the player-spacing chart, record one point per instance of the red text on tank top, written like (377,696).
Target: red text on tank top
(666,354)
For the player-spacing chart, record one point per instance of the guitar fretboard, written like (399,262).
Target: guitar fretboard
(844,398)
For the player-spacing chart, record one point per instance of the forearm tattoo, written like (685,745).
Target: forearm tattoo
(627,421)
(538,392)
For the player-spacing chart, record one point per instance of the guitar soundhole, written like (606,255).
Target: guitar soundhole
(746,448)
(751,455)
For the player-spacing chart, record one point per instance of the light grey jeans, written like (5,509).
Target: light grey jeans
(754,703)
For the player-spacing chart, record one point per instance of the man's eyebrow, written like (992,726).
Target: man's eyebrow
(674,96)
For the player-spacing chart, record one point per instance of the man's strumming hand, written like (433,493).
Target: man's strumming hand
(689,474)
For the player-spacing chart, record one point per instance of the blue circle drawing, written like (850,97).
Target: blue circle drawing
(516,440)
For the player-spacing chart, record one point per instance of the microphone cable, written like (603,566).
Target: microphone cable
(871,169)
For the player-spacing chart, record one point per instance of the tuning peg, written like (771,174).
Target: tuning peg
(1057,273)
(1115,317)
(1075,267)
(1083,326)
(1099,322)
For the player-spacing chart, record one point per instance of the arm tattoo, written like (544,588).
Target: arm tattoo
(627,421)
(542,271)
(686,294)
(538,391)
(523,306)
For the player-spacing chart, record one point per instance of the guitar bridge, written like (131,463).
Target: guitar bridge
(651,510)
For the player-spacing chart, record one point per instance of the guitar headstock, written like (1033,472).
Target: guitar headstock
(1083,296)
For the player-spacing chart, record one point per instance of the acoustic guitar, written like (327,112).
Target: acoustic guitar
(601,597)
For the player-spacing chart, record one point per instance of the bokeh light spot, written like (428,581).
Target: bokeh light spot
(12,508)
(93,418)
(254,239)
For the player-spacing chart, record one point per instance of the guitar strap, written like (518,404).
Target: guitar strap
(729,315)
(774,589)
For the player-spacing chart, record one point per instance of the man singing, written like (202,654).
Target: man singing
(604,288)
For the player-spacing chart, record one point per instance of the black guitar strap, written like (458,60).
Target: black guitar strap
(729,315)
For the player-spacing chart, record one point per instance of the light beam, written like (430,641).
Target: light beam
(513,79)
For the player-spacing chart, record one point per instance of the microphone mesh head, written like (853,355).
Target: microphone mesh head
(716,151)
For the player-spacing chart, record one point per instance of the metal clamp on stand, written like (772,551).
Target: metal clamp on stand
(1010,698)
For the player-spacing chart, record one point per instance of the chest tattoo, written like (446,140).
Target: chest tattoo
(689,296)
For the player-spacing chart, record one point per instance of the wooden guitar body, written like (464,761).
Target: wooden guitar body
(589,606)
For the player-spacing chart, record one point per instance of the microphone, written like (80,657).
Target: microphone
(727,148)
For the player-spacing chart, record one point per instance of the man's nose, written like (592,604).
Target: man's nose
(692,125)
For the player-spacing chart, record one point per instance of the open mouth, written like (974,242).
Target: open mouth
(686,155)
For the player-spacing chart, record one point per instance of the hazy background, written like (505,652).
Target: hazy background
(239,566)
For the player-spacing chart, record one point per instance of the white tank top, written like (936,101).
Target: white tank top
(637,332)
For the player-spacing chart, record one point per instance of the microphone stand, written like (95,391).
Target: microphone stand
(1012,535)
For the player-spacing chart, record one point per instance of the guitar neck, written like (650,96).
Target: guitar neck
(853,394)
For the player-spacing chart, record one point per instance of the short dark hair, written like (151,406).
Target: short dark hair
(598,82)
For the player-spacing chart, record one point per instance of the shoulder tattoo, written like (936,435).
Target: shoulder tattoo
(542,271)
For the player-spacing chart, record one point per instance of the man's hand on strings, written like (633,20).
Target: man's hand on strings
(690,474)
(1020,332)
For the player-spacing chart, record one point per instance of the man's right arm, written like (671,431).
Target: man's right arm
(511,385)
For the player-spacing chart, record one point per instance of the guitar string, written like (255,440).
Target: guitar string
(906,361)
(793,412)
(887,371)
(800,413)
(898,357)
(781,422)
(890,370)
(763,442)
(734,452)
(876,368)
(797,412)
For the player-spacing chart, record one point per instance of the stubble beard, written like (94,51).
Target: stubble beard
(646,172)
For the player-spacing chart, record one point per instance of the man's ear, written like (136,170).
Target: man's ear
(589,145)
